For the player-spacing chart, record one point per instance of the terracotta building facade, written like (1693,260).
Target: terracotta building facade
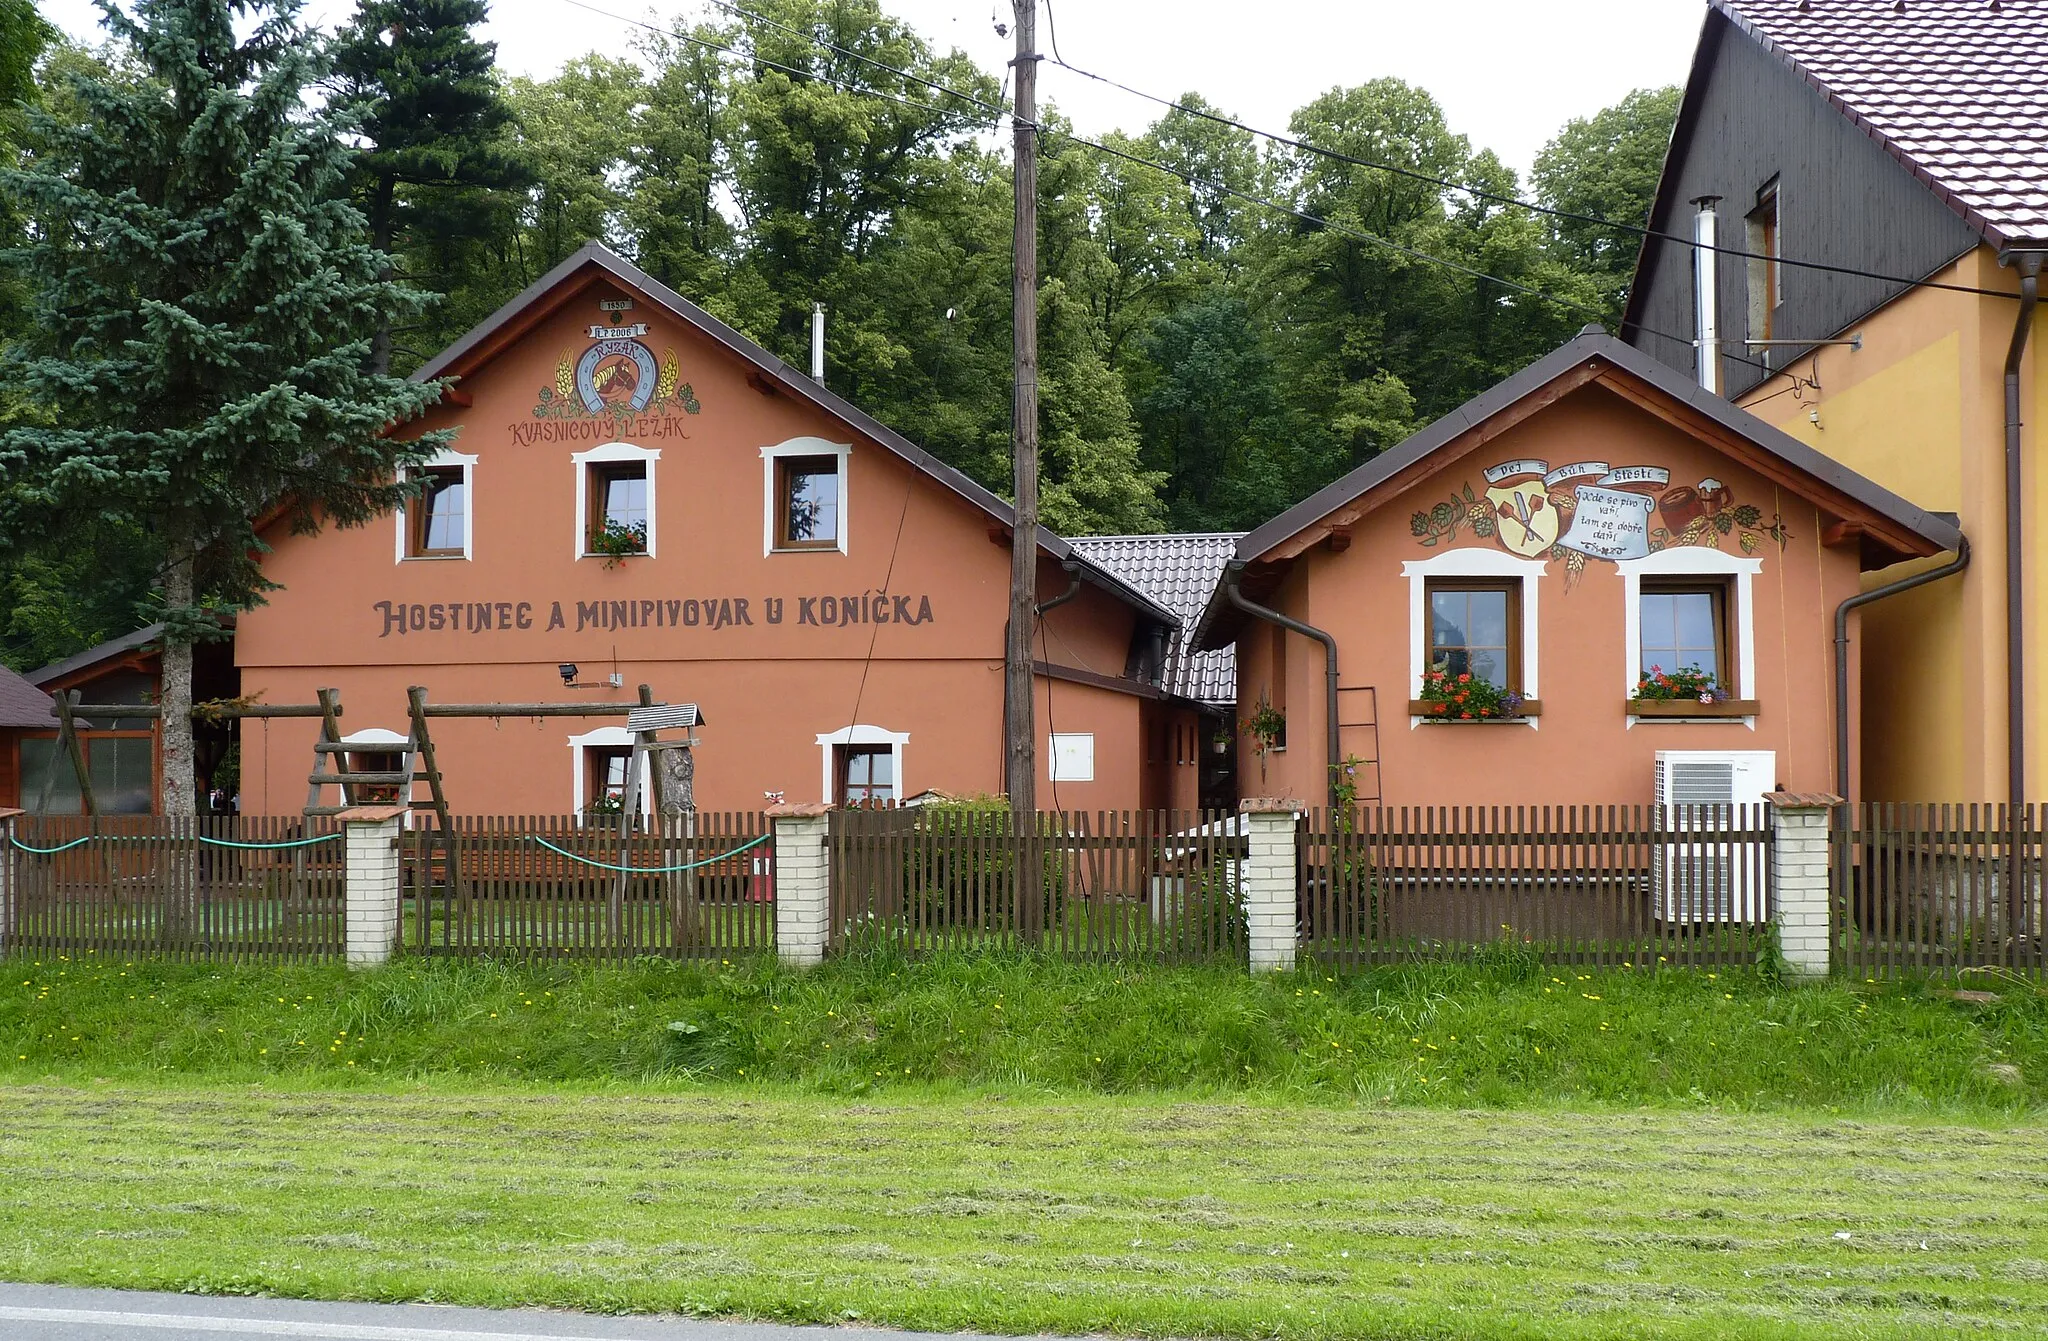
(1488,607)
(638,494)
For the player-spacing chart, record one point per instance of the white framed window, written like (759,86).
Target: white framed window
(440,522)
(1682,570)
(599,763)
(1462,569)
(803,496)
(615,487)
(861,765)
(378,749)
(1071,757)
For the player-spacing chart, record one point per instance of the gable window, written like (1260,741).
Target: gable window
(1474,612)
(807,502)
(804,483)
(436,522)
(618,507)
(1684,627)
(1473,630)
(615,500)
(1766,294)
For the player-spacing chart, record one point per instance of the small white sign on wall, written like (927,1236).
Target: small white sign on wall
(1073,757)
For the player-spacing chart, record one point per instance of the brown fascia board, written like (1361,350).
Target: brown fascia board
(1910,531)
(58,671)
(482,342)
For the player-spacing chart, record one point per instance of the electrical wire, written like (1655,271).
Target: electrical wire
(1481,193)
(792,70)
(1567,304)
(745,13)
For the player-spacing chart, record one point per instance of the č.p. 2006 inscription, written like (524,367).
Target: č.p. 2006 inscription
(707,612)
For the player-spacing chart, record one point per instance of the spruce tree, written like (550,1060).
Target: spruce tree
(204,297)
(435,148)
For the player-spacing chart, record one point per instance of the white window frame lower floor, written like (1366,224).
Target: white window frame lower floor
(1472,562)
(1709,565)
(603,737)
(860,735)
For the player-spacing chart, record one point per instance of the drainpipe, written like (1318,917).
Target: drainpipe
(1073,588)
(1233,573)
(1949,569)
(2015,647)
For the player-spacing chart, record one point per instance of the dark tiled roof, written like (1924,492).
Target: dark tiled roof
(22,704)
(1957,90)
(1179,572)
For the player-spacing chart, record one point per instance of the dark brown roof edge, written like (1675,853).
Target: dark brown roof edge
(1939,534)
(796,384)
(113,647)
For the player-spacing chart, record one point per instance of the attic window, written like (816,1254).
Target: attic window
(1766,288)
(804,496)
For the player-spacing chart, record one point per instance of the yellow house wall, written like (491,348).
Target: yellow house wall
(1920,409)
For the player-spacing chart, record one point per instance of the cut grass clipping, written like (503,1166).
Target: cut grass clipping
(1501,1033)
(1080,1215)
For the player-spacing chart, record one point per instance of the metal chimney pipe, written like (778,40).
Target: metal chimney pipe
(818,343)
(1706,293)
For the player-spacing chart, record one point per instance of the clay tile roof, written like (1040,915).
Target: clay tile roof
(22,704)
(1957,90)
(1179,572)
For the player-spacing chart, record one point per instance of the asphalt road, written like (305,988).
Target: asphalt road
(55,1313)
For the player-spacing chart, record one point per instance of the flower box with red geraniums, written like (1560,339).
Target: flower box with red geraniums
(1467,698)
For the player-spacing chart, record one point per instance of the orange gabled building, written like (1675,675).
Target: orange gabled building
(640,493)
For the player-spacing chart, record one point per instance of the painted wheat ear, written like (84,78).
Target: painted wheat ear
(665,385)
(565,374)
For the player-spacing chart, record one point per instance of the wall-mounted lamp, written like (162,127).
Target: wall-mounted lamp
(568,670)
(1813,417)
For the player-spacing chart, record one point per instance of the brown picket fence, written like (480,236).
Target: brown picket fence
(1939,888)
(230,887)
(1103,884)
(1602,885)
(542,886)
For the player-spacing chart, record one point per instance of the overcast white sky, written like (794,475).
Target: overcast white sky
(1507,72)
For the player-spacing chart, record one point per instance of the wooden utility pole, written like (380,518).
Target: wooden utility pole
(1020,758)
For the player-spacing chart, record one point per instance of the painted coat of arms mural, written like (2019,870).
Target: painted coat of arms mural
(1591,510)
(614,385)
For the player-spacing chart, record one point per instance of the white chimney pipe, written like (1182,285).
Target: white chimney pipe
(1706,294)
(818,342)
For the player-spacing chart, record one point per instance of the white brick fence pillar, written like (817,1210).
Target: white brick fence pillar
(803,882)
(10,881)
(1799,877)
(372,882)
(1268,879)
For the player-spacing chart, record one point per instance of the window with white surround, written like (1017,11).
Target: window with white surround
(437,523)
(615,495)
(599,763)
(1667,600)
(862,765)
(1072,757)
(1494,594)
(803,496)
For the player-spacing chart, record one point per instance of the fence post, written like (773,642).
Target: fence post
(803,882)
(1268,883)
(371,880)
(10,882)
(1799,878)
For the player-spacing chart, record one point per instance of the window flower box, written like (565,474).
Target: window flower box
(1692,708)
(1430,711)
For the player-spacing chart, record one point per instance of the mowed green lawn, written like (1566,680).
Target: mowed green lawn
(930,1209)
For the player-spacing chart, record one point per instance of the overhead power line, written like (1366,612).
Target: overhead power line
(1343,230)
(1499,198)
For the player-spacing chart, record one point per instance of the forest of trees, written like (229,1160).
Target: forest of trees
(1205,360)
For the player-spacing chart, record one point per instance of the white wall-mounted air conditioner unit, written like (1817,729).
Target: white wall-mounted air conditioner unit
(1696,873)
